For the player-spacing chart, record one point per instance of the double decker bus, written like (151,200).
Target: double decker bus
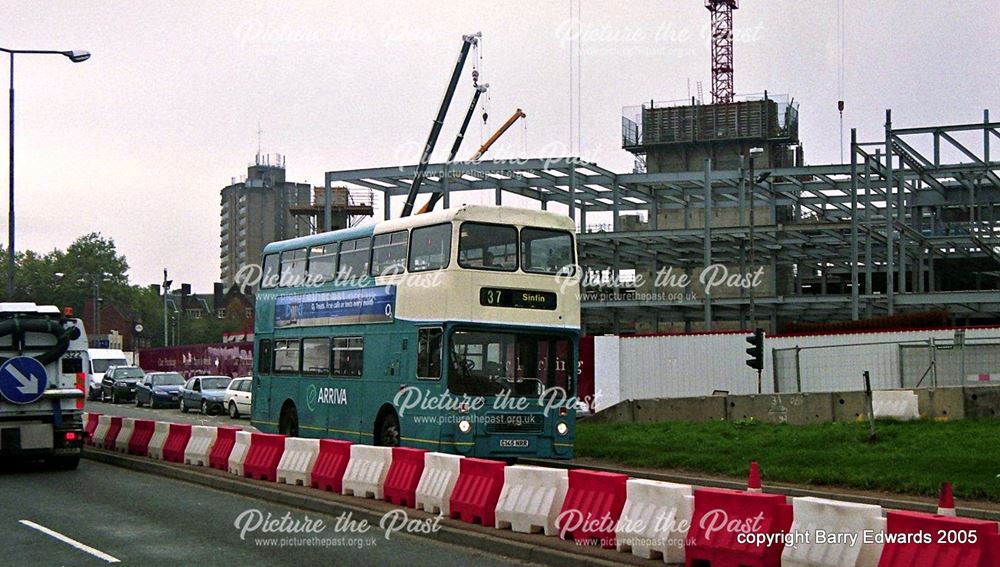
(452,331)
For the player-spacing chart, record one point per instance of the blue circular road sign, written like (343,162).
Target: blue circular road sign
(22,380)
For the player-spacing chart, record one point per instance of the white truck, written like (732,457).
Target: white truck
(43,363)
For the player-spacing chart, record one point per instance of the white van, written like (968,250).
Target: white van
(100,360)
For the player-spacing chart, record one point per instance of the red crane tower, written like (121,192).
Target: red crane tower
(722,49)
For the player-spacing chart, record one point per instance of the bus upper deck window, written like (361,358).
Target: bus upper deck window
(354,256)
(487,247)
(323,263)
(293,268)
(389,253)
(430,248)
(546,251)
(271,274)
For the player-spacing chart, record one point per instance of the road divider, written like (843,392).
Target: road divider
(225,440)
(331,463)
(297,461)
(124,435)
(655,520)
(366,471)
(142,432)
(837,533)
(404,475)
(199,446)
(90,424)
(730,527)
(263,456)
(531,499)
(593,506)
(437,482)
(239,453)
(915,538)
(477,491)
(160,432)
(176,443)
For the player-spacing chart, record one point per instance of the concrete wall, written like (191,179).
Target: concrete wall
(801,409)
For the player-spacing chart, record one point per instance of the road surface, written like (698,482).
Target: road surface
(101,514)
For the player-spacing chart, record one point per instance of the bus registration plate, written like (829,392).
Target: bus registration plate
(513,443)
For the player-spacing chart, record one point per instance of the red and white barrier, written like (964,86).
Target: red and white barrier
(90,424)
(531,499)
(160,432)
(723,520)
(199,446)
(225,440)
(655,520)
(111,435)
(437,482)
(142,432)
(103,423)
(125,435)
(366,471)
(401,481)
(822,518)
(915,539)
(593,506)
(261,460)
(176,443)
(297,461)
(475,496)
(331,463)
(239,452)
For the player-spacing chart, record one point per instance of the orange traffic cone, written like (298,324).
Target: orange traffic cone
(753,482)
(946,503)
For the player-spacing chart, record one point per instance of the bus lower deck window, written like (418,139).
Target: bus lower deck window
(286,356)
(316,356)
(348,356)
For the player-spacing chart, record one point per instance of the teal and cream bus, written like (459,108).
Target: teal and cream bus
(453,331)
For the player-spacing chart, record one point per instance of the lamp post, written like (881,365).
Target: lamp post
(76,57)
(754,180)
(95,280)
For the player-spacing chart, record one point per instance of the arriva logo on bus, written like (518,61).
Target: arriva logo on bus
(331,396)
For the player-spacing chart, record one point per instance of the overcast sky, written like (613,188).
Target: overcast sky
(138,142)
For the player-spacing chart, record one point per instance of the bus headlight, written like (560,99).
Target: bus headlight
(562,428)
(464,426)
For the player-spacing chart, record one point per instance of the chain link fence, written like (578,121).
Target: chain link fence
(928,363)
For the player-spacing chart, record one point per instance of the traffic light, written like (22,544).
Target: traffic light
(756,350)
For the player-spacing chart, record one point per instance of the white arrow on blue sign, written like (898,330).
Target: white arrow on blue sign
(22,380)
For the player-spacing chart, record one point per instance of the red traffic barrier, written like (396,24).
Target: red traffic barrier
(225,440)
(112,435)
(81,384)
(477,490)
(91,425)
(593,506)
(176,443)
(730,527)
(328,472)
(263,456)
(915,538)
(141,434)
(401,481)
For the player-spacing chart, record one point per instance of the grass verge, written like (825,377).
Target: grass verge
(909,457)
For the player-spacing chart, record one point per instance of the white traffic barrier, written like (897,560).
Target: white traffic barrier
(200,445)
(125,434)
(160,432)
(436,482)
(655,520)
(103,423)
(826,519)
(366,471)
(296,464)
(239,452)
(895,404)
(531,499)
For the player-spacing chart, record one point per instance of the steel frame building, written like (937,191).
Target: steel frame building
(888,232)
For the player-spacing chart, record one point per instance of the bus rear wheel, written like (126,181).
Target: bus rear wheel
(288,423)
(388,431)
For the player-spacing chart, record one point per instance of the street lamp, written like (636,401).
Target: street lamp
(76,56)
(96,280)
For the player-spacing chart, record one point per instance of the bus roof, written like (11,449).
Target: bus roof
(480,213)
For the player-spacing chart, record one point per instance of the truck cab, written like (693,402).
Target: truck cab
(43,373)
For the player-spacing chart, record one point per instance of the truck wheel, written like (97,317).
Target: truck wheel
(63,463)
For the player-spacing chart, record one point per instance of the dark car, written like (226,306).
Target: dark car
(205,393)
(159,389)
(119,383)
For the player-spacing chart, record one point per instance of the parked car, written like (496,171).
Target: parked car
(119,383)
(205,393)
(238,396)
(159,389)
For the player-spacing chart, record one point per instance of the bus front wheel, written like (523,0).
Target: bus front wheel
(388,430)
(288,423)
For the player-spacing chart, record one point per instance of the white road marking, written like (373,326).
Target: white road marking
(66,539)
